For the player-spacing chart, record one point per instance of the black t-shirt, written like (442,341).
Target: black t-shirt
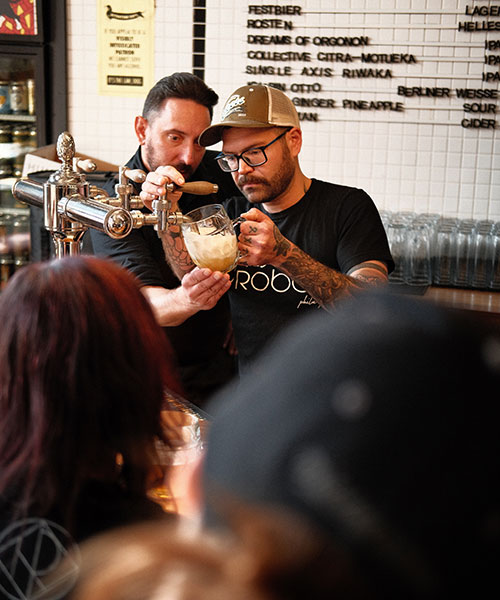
(202,335)
(338,226)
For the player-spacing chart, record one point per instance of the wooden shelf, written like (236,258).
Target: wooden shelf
(18,118)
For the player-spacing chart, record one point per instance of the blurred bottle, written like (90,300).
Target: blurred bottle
(418,264)
(406,215)
(4,96)
(464,262)
(5,150)
(19,240)
(6,258)
(396,236)
(30,86)
(21,140)
(431,220)
(494,283)
(445,255)
(18,97)
(483,254)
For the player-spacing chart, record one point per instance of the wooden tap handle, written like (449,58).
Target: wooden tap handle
(199,188)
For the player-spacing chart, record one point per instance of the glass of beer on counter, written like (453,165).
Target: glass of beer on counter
(210,238)
(168,479)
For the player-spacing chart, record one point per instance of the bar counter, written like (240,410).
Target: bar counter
(485,304)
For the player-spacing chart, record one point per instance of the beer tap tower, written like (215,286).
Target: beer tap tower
(71,205)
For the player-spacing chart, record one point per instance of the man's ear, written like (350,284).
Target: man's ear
(140,126)
(295,141)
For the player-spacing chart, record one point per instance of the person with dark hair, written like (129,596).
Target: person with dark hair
(378,425)
(305,244)
(86,374)
(183,86)
(176,111)
(176,92)
(84,369)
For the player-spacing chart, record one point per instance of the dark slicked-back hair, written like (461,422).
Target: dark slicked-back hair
(83,371)
(179,85)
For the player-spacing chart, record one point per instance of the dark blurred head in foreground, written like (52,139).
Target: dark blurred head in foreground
(377,426)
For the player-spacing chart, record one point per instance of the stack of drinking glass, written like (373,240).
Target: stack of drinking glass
(430,249)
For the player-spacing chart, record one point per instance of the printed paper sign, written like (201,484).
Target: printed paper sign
(125,47)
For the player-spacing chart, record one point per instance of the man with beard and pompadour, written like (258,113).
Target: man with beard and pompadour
(195,314)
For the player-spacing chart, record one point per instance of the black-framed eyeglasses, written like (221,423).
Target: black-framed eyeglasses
(254,157)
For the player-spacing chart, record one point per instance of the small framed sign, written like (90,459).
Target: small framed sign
(21,21)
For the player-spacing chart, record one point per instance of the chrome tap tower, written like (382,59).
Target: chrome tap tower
(71,205)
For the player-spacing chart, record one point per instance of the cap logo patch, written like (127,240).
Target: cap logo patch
(234,104)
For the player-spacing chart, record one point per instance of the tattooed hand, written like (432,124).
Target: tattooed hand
(260,242)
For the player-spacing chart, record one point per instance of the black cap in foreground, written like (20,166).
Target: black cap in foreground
(378,424)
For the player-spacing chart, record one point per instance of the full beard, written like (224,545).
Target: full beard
(268,190)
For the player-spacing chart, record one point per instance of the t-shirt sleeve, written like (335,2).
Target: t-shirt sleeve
(362,235)
(132,253)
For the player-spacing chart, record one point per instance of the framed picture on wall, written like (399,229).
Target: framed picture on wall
(21,21)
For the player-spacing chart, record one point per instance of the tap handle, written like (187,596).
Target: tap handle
(199,188)
(65,149)
(136,175)
(85,164)
(66,176)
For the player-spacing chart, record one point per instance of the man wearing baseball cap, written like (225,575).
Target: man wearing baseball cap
(305,244)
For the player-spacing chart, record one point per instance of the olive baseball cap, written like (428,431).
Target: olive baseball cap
(253,106)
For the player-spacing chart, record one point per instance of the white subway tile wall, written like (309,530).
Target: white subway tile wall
(420,159)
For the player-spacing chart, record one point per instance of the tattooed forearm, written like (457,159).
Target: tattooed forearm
(368,265)
(175,251)
(371,273)
(327,285)
(282,246)
(370,279)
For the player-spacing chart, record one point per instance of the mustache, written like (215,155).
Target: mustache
(185,170)
(246,179)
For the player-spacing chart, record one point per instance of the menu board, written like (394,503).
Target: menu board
(419,65)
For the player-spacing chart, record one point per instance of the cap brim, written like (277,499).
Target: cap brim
(213,134)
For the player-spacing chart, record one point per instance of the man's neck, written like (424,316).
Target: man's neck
(293,194)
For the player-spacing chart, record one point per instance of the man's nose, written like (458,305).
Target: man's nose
(188,152)
(243,167)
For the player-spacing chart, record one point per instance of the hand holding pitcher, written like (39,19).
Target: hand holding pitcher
(210,238)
